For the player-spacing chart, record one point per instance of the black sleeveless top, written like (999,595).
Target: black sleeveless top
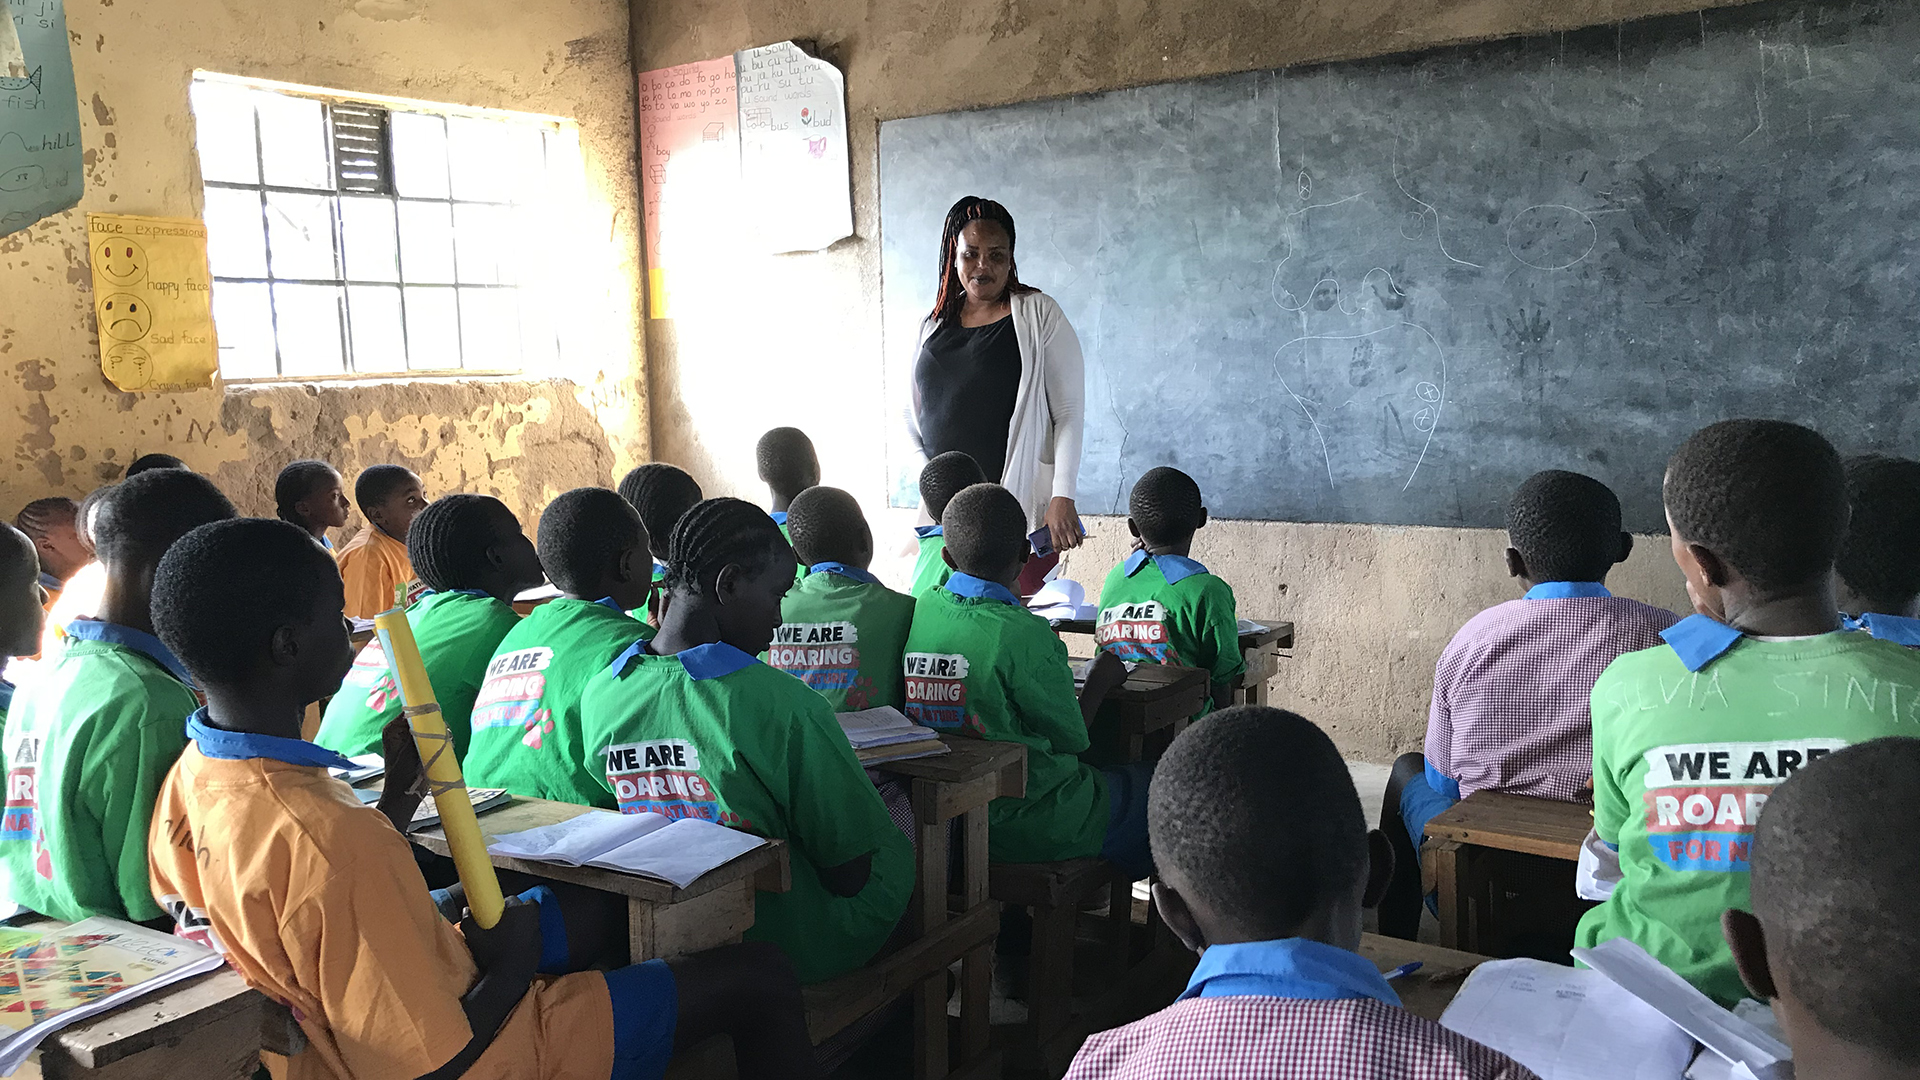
(968,378)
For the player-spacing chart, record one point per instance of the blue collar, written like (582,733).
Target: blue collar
(1287,968)
(482,593)
(1566,590)
(128,638)
(51,583)
(326,543)
(779,516)
(607,602)
(979,588)
(6,695)
(1699,640)
(710,661)
(924,531)
(1895,628)
(1175,568)
(659,569)
(243,745)
(844,571)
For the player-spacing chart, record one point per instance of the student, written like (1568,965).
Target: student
(22,611)
(689,724)
(1160,606)
(316,901)
(374,563)
(661,493)
(1265,866)
(52,526)
(471,555)
(1689,738)
(788,466)
(978,662)
(944,477)
(81,595)
(1879,565)
(842,631)
(150,462)
(526,720)
(1510,694)
(1831,939)
(89,742)
(310,494)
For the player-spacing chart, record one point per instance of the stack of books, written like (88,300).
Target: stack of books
(885,734)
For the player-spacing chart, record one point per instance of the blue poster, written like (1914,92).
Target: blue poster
(39,115)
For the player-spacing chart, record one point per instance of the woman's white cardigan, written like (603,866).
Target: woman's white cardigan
(1044,437)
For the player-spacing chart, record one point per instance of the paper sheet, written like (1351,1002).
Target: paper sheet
(1567,1024)
(796,183)
(151,297)
(689,168)
(40,170)
(1634,969)
(881,726)
(577,840)
(681,852)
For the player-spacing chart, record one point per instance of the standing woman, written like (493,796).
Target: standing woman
(999,375)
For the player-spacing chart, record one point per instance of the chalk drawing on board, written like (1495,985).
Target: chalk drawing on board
(1550,236)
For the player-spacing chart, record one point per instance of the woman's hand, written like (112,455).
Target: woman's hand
(1063,522)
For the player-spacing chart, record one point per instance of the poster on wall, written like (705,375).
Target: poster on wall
(39,115)
(795,177)
(689,168)
(152,299)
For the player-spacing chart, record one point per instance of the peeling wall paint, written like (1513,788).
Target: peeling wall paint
(68,430)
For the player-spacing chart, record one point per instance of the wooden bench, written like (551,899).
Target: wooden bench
(1259,651)
(1055,892)
(1154,698)
(1454,863)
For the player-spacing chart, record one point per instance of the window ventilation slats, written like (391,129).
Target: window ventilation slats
(361,162)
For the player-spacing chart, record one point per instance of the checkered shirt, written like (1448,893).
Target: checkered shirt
(1510,695)
(1269,1038)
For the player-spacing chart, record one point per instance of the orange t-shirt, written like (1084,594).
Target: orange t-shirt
(373,565)
(315,899)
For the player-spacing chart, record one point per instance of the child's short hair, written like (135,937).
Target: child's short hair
(786,460)
(448,542)
(717,533)
(377,483)
(41,516)
(224,587)
(296,482)
(140,518)
(1880,559)
(945,476)
(1565,525)
(827,526)
(1834,889)
(1165,506)
(662,493)
(1767,496)
(1253,809)
(986,529)
(582,534)
(150,462)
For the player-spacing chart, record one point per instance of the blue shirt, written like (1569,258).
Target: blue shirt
(779,516)
(844,571)
(967,585)
(1174,568)
(1566,590)
(1287,968)
(127,637)
(242,745)
(51,583)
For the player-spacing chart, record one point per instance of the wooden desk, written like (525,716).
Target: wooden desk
(1430,990)
(209,1027)
(662,921)
(1259,651)
(1155,697)
(1493,821)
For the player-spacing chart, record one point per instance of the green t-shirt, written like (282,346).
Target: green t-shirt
(1188,621)
(88,746)
(930,571)
(1684,760)
(526,718)
(843,636)
(457,632)
(713,733)
(984,665)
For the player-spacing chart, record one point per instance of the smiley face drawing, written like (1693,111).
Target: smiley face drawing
(125,317)
(120,260)
(129,366)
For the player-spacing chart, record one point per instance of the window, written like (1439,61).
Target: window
(354,238)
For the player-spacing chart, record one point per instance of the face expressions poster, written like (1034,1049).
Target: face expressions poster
(152,302)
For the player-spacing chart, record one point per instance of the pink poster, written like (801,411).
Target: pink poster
(689,154)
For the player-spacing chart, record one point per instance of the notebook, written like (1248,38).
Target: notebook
(652,845)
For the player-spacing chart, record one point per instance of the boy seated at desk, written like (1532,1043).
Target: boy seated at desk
(842,632)
(662,494)
(90,740)
(316,901)
(978,662)
(1510,693)
(787,464)
(1831,938)
(1159,606)
(526,719)
(689,724)
(1690,738)
(945,476)
(22,606)
(1879,565)
(471,555)
(375,563)
(1265,867)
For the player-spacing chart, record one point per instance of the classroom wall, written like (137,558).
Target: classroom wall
(68,429)
(1373,605)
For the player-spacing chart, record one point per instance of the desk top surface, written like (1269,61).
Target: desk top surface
(1495,819)
(1152,682)
(1428,991)
(966,759)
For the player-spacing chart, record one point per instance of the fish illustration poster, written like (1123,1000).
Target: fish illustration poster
(152,299)
(39,115)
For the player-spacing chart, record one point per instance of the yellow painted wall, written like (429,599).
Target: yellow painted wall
(67,430)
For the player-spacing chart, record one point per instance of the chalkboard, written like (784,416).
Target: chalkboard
(1388,291)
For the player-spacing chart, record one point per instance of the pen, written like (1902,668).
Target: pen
(1403,969)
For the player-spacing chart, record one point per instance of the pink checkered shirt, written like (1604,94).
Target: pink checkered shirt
(1270,1038)
(1510,695)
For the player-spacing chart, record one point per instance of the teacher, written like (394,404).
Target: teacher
(999,375)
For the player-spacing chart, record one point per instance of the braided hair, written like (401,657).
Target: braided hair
(719,533)
(662,493)
(1165,506)
(969,209)
(296,482)
(448,541)
(42,516)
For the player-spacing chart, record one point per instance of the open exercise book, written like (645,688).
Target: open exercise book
(53,975)
(1627,1018)
(652,845)
(885,734)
